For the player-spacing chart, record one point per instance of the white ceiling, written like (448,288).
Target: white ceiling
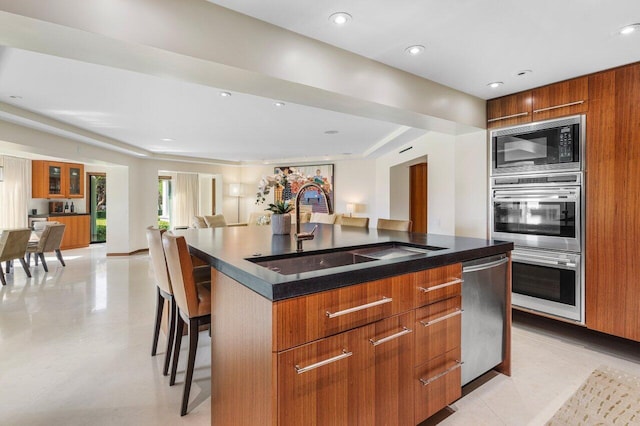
(469,43)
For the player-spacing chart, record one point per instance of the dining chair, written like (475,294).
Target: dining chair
(359,222)
(50,240)
(164,291)
(394,225)
(215,221)
(193,304)
(13,245)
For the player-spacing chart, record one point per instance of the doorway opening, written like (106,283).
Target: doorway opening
(164,202)
(98,206)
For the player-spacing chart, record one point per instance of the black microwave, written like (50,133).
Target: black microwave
(553,145)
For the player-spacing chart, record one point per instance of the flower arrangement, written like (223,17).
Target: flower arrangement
(294,178)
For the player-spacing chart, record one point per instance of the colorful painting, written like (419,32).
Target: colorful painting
(321,174)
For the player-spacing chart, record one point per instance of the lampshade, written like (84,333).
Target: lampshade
(351,208)
(235,189)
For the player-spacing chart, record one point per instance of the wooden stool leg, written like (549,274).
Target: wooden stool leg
(176,348)
(156,331)
(171,335)
(44,262)
(193,346)
(59,256)
(25,267)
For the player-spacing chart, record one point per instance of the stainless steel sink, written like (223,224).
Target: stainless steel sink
(306,262)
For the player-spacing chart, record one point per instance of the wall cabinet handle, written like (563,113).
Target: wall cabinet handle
(505,117)
(359,308)
(343,355)
(404,331)
(425,382)
(436,287)
(558,106)
(442,318)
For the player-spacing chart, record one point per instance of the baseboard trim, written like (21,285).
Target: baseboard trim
(144,250)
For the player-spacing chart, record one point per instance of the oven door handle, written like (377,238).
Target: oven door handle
(529,260)
(537,197)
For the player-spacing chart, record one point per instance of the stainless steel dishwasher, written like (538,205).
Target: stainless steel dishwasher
(483,319)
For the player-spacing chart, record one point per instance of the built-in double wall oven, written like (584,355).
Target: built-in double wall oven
(539,206)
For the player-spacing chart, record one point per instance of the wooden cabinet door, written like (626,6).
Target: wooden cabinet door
(418,193)
(438,329)
(436,284)
(392,344)
(509,110)
(561,99)
(437,384)
(47,179)
(613,202)
(75,180)
(76,232)
(328,382)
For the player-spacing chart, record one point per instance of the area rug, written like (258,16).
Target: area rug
(607,397)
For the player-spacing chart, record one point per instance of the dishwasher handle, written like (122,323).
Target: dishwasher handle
(483,266)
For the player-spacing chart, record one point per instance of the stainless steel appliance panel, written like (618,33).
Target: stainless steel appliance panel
(542,147)
(538,217)
(549,282)
(483,317)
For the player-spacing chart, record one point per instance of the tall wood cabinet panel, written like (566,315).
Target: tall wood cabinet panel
(613,203)
(509,110)
(561,99)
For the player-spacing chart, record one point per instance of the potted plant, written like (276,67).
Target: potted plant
(281,217)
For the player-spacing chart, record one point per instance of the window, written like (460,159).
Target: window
(164,202)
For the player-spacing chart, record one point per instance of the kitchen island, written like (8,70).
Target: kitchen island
(372,341)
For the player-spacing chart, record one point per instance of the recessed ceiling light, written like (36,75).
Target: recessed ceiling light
(340,18)
(15,97)
(331,132)
(523,72)
(166,140)
(225,94)
(629,29)
(414,50)
(279,104)
(495,84)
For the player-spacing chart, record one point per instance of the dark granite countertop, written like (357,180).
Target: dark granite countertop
(227,249)
(44,215)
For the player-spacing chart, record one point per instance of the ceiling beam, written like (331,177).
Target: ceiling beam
(200,42)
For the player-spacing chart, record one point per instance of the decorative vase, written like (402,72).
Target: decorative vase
(281,224)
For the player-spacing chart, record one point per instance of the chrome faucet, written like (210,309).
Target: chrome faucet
(301,236)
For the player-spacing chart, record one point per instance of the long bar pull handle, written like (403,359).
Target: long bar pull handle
(436,287)
(360,308)
(520,114)
(425,382)
(442,318)
(558,106)
(404,331)
(343,355)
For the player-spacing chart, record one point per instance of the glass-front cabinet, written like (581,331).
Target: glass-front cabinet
(57,179)
(75,173)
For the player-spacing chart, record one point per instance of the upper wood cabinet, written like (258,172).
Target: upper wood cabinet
(555,100)
(509,110)
(50,179)
(561,99)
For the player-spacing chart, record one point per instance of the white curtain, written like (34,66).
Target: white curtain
(185,199)
(14,193)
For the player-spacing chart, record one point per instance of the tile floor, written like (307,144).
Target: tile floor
(75,350)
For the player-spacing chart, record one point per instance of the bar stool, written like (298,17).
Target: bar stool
(193,304)
(165,291)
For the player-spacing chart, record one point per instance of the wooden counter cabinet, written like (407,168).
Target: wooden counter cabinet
(383,352)
(54,179)
(77,231)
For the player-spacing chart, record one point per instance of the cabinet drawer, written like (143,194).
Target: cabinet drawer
(393,344)
(437,384)
(438,329)
(437,284)
(328,382)
(307,318)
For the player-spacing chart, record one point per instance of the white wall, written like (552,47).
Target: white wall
(440,150)
(472,182)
